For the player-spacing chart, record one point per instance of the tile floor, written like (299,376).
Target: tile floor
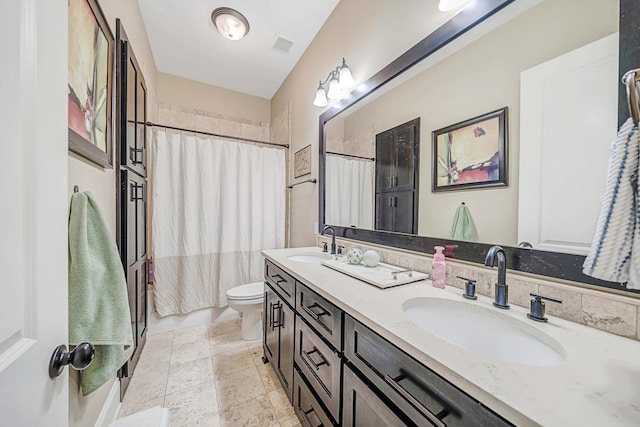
(208,376)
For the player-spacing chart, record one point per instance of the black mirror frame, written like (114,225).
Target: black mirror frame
(549,264)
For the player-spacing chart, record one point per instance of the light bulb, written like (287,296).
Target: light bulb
(321,97)
(334,91)
(346,80)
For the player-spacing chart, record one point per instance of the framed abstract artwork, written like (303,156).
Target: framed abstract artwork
(302,162)
(471,154)
(90,83)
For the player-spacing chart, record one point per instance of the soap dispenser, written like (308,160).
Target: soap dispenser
(438,268)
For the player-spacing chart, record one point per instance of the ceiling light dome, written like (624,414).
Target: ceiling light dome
(230,23)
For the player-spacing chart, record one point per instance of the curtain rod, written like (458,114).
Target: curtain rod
(351,155)
(239,138)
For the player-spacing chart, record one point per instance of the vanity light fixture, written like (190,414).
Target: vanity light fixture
(230,23)
(447,5)
(339,81)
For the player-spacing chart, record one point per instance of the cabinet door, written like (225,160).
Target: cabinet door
(385,212)
(385,161)
(285,358)
(405,157)
(271,339)
(132,113)
(396,211)
(406,217)
(362,407)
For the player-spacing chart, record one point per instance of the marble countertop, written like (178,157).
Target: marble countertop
(598,385)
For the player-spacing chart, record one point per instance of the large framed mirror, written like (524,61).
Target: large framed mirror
(519,54)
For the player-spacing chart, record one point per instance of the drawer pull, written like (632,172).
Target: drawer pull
(308,357)
(306,419)
(316,316)
(273,323)
(433,418)
(278,278)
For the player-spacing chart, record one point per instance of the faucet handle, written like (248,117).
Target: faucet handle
(538,307)
(325,246)
(340,248)
(469,288)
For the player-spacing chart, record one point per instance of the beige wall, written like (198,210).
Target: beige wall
(480,78)
(84,411)
(367,45)
(178,91)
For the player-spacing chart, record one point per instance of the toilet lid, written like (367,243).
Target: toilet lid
(248,291)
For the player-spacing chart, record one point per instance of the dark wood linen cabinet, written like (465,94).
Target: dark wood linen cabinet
(131,191)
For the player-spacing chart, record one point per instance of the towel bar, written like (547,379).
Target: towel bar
(631,79)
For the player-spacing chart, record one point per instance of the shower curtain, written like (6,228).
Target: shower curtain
(216,204)
(349,192)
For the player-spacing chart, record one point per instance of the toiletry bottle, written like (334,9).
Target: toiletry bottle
(438,269)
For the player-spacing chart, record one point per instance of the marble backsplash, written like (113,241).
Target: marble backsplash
(609,312)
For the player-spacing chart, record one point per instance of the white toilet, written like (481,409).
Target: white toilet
(248,300)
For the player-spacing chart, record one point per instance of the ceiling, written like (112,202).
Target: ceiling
(185,43)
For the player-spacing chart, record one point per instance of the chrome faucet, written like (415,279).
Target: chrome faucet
(502,290)
(333,237)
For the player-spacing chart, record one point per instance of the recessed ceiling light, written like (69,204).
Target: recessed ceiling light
(230,23)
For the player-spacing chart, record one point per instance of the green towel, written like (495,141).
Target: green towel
(462,228)
(98,301)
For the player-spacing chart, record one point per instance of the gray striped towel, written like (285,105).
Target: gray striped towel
(612,255)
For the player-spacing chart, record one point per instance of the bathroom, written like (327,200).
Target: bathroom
(288,117)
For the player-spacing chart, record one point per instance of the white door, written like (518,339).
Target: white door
(33,210)
(568,110)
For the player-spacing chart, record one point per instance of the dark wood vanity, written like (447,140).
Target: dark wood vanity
(337,371)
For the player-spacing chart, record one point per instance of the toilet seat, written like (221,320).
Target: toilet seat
(247,294)
(248,300)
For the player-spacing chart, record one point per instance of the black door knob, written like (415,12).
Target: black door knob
(79,358)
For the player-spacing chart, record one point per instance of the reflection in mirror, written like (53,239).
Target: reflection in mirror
(561,92)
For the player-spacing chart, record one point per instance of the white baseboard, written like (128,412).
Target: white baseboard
(111,407)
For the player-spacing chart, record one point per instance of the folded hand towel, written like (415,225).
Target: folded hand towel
(98,301)
(615,250)
(462,228)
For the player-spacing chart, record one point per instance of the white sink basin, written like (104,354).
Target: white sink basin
(484,331)
(310,257)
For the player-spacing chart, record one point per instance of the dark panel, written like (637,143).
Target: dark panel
(629,49)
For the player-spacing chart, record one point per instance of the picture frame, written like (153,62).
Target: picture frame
(472,153)
(90,85)
(302,162)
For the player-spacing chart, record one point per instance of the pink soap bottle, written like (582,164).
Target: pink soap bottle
(438,268)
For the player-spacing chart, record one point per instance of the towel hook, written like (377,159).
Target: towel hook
(76,189)
(629,79)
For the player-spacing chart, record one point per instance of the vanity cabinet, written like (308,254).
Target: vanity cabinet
(412,389)
(278,334)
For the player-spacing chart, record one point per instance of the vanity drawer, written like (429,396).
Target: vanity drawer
(320,365)
(362,407)
(281,281)
(309,411)
(421,394)
(325,317)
